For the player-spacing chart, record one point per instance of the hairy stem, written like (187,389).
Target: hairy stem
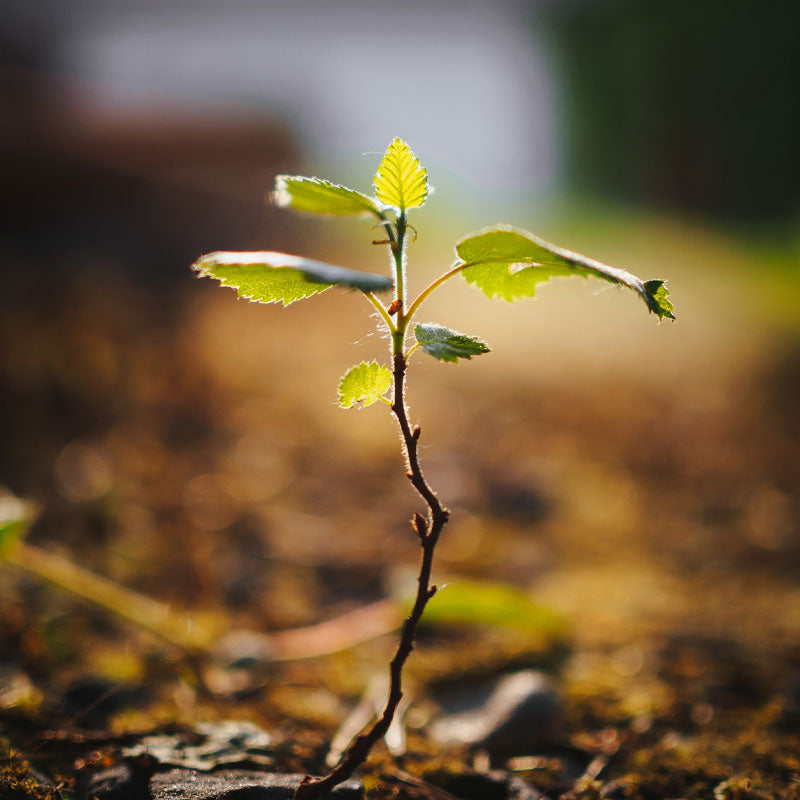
(381,311)
(428,531)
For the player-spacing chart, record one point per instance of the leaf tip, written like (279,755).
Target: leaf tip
(657,299)
(401,181)
(280,196)
(203,265)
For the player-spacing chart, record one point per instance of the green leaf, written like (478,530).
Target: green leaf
(266,277)
(364,384)
(509,263)
(464,601)
(659,299)
(446,344)
(316,196)
(16,516)
(400,180)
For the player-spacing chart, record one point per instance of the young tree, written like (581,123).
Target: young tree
(501,261)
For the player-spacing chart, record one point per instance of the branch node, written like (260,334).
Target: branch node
(432,591)
(415,434)
(420,525)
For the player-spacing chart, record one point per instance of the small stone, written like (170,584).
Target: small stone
(515,715)
(121,782)
(208,746)
(185,784)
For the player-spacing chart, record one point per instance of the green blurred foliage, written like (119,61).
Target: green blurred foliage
(689,105)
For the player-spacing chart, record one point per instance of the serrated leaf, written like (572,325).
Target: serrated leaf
(659,297)
(400,180)
(267,277)
(446,344)
(364,384)
(316,196)
(509,263)
(16,516)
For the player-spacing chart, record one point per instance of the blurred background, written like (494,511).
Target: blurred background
(641,480)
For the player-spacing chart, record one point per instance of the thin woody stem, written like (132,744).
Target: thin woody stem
(428,530)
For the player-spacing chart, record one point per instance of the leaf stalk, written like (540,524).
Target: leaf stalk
(431,288)
(384,315)
(398,249)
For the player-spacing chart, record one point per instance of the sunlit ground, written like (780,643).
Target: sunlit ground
(638,479)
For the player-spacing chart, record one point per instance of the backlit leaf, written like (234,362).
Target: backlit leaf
(509,263)
(364,384)
(316,196)
(659,297)
(401,181)
(446,344)
(267,277)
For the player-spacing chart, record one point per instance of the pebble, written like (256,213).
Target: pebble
(121,783)
(208,746)
(181,784)
(511,716)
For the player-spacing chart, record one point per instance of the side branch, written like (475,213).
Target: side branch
(378,306)
(459,267)
(428,531)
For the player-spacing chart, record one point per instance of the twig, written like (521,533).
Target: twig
(428,531)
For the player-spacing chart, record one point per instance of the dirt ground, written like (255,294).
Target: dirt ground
(642,488)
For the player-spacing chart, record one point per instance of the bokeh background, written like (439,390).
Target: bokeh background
(638,479)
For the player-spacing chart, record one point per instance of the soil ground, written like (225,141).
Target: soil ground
(642,489)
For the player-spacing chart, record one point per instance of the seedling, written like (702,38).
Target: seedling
(501,261)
